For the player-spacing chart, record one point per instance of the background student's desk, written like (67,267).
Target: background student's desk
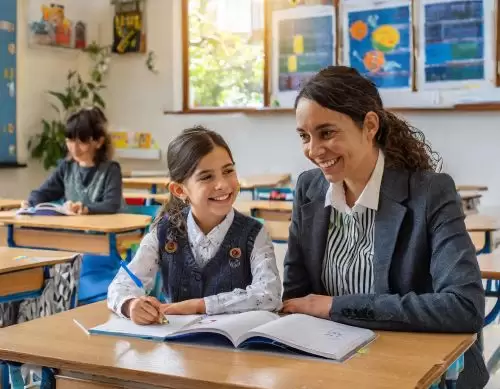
(114,232)
(471,188)
(481,229)
(6,204)
(160,198)
(150,183)
(21,270)
(392,361)
(253,183)
(266,209)
(490,269)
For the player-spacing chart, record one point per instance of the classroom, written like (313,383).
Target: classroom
(140,138)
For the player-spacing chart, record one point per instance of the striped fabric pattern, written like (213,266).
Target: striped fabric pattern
(348,262)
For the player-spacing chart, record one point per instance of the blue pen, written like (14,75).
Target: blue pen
(134,278)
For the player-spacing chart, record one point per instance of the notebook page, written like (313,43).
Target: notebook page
(316,336)
(119,326)
(231,325)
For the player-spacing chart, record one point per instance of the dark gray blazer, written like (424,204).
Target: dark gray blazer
(426,275)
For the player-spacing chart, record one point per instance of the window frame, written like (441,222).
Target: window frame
(185,67)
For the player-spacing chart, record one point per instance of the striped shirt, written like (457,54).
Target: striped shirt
(348,261)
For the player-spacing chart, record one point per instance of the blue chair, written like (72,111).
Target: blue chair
(98,271)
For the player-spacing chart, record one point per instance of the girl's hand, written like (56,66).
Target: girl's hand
(313,305)
(25,204)
(143,310)
(187,307)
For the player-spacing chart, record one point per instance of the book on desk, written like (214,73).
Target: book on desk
(297,333)
(45,209)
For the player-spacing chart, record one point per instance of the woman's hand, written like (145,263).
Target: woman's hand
(187,307)
(313,305)
(143,310)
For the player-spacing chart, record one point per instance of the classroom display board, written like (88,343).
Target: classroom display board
(8,18)
(457,39)
(377,39)
(303,44)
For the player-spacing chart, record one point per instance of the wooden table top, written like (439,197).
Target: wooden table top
(473,188)
(6,204)
(395,360)
(489,265)
(278,230)
(246,206)
(119,222)
(159,197)
(265,180)
(480,222)
(159,180)
(466,195)
(10,258)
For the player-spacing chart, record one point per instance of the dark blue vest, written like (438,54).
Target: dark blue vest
(229,269)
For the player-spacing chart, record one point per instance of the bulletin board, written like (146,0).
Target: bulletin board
(303,42)
(378,42)
(420,53)
(8,84)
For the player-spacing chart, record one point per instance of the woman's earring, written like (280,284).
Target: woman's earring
(186,201)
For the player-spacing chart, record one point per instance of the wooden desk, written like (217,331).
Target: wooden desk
(392,361)
(265,209)
(265,181)
(490,270)
(473,188)
(111,235)
(20,275)
(470,201)
(278,230)
(6,204)
(161,198)
(150,183)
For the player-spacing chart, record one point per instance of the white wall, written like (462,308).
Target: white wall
(261,143)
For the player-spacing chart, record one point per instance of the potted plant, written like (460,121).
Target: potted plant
(49,146)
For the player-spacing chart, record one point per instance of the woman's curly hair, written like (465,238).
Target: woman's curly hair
(343,89)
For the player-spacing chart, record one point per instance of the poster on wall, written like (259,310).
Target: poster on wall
(457,48)
(377,41)
(303,43)
(57,24)
(8,67)
(128,28)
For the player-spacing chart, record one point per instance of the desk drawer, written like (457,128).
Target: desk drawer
(63,382)
(21,281)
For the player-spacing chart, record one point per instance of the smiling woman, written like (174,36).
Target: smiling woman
(378,238)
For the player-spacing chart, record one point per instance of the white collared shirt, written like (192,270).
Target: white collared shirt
(348,260)
(264,293)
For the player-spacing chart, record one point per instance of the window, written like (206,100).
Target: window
(224,54)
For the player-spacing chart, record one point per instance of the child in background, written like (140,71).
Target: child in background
(87,180)
(212,258)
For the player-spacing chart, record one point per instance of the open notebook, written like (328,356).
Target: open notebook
(45,209)
(297,332)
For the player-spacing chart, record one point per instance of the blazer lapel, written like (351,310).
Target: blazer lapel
(390,215)
(315,223)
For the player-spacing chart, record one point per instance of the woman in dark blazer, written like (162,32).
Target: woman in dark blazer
(377,238)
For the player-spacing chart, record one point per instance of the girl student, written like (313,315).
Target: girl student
(212,258)
(88,180)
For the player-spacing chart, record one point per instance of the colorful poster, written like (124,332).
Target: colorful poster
(455,38)
(8,63)
(56,24)
(378,41)
(303,44)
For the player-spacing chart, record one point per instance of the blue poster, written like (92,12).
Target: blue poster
(8,81)
(454,41)
(380,45)
(306,46)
